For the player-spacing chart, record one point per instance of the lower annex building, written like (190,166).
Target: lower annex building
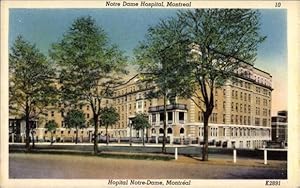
(241,117)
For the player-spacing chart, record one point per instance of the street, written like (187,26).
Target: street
(89,167)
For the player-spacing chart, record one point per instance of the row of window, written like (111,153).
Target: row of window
(212,131)
(68,132)
(263,91)
(240,108)
(265,101)
(243,84)
(236,119)
(52,113)
(169,116)
(213,118)
(241,96)
(169,130)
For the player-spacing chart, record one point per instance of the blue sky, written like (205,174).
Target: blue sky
(126,27)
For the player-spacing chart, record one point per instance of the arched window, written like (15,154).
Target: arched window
(169,130)
(161,131)
(182,131)
(153,131)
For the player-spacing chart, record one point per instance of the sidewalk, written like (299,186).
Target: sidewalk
(213,160)
(110,144)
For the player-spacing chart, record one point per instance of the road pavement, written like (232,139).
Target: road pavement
(22,165)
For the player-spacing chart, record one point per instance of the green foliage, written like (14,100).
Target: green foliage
(31,79)
(51,125)
(222,40)
(75,119)
(89,66)
(31,82)
(140,121)
(199,50)
(109,116)
(162,56)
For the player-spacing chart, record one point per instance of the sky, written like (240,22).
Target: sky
(126,27)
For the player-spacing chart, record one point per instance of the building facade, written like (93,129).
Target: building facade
(280,128)
(241,117)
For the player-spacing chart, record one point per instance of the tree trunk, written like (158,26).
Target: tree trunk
(143,136)
(27,132)
(106,135)
(51,140)
(32,135)
(130,136)
(96,135)
(147,139)
(165,126)
(205,145)
(76,139)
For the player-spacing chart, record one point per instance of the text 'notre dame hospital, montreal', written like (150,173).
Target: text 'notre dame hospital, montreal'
(152,4)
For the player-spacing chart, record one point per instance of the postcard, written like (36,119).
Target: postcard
(150,93)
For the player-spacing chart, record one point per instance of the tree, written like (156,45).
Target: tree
(108,117)
(31,83)
(75,118)
(141,122)
(51,126)
(222,41)
(161,57)
(89,66)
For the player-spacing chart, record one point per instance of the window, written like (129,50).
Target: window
(170,116)
(257,121)
(161,131)
(139,104)
(153,118)
(181,116)
(61,132)
(161,117)
(264,122)
(181,130)
(52,113)
(153,131)
(169,130)
(241,95)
